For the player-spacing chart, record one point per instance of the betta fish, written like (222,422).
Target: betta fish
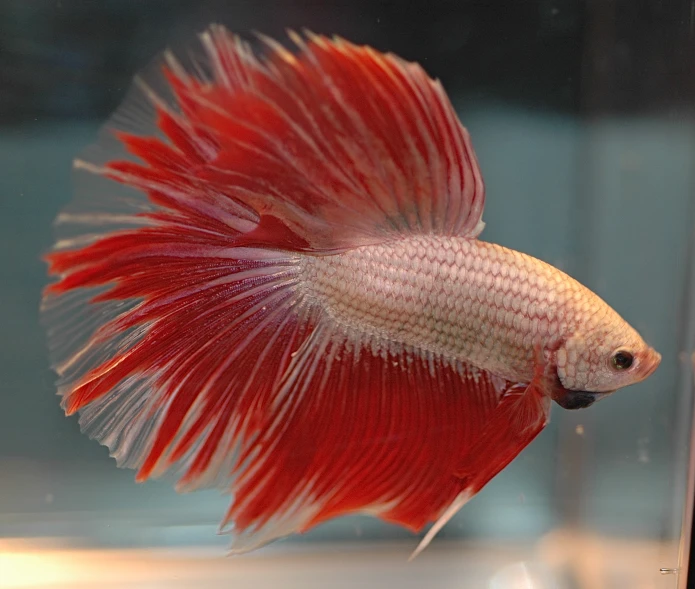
(278,291)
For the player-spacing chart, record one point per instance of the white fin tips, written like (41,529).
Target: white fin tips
(461,499)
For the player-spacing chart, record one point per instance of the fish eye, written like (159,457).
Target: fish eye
(622,360)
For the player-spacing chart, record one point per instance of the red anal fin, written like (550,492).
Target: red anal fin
(383,433)
(520,416)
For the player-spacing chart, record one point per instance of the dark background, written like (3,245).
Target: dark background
(67,58)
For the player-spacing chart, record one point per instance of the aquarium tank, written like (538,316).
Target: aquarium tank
(582,118)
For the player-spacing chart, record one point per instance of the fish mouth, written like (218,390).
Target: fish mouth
(649,364)
(578,399)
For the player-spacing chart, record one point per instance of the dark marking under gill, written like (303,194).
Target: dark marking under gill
(571,400)
(576,399)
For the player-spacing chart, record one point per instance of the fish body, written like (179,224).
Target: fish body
(469,300)
(288,301)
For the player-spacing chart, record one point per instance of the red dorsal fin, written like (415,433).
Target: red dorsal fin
(353,145)
(338,144)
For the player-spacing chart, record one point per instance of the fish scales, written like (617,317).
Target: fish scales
(463,299)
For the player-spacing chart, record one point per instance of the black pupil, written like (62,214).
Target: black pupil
(622,360)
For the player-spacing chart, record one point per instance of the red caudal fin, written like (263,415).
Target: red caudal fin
(177,322)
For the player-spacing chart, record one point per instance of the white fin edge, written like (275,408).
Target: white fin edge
(461,499)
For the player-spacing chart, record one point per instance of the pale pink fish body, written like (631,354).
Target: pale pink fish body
(480,303)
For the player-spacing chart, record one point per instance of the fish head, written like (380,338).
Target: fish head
(598,359)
